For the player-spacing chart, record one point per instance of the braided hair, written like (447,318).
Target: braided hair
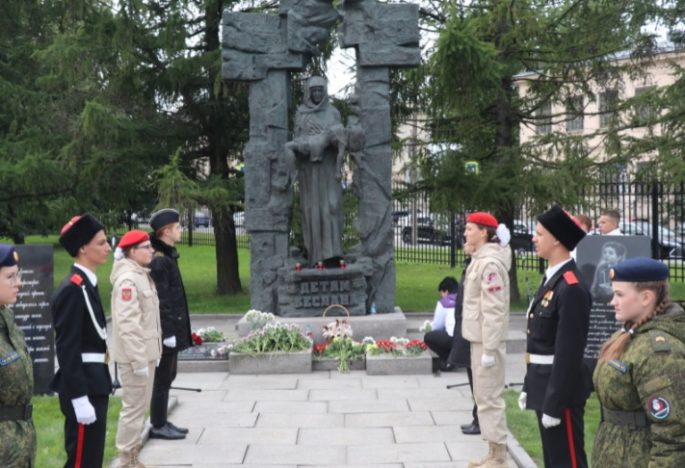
(615,346)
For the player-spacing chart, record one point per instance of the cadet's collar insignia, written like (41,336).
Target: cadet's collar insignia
(659,408)
(76,279)
(126,294)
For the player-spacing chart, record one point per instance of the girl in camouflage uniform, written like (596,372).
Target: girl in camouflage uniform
(17,434)
(640,374)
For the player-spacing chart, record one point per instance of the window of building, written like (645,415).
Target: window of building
(644,110)
(543,119)
(608,101)
(575,113)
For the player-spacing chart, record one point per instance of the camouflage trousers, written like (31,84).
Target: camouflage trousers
(17,444)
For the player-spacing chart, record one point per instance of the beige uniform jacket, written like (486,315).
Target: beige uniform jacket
(136,337)
(485,316)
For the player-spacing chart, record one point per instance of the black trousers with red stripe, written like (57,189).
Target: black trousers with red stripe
(85,447)
(563,446)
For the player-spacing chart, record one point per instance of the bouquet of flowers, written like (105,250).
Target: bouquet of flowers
(274,336)
(342,348)
(397,347)
(209,335)
(258,319)
(426,327)
(338,328)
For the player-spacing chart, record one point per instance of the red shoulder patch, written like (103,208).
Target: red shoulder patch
(76,279)
(571,277)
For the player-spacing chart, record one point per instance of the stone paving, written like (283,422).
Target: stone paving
(323,419)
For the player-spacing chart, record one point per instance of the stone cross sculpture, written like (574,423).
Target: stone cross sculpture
(264,49)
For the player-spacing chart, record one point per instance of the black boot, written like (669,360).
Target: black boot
(182,430)
(471,429)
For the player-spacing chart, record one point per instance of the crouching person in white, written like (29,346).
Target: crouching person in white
(136,340)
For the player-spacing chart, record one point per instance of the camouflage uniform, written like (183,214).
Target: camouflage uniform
(645,389)
(17,436)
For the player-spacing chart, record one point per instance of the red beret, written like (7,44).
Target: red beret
(132,238)
(482,218)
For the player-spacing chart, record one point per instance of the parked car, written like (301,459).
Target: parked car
(427,230)
(522,236)
(670,244)
(200,219)
(399,216)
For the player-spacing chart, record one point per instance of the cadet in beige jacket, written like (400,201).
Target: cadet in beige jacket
(485,320)
(136,340)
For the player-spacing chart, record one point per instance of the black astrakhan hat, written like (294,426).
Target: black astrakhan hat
(78,232)
(8,255)
(639,270)
(562,226)
(161,218)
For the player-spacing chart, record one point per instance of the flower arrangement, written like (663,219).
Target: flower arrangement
(274,336)
(426,327)
(397,347)
(258,319)
(208,335)
(197,339)
(338,328)
(342,348)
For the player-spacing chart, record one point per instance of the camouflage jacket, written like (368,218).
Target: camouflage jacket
(17,438)
(649,377)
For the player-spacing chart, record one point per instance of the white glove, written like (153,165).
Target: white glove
(523,397)
(142,372)
(487,360)
(85,413)
(170,342)
(549,421)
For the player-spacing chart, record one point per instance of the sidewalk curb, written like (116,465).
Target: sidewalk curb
(518,454)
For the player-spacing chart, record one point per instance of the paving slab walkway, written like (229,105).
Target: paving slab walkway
(321,419)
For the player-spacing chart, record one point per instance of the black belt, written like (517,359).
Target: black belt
(16,413)
(625,418)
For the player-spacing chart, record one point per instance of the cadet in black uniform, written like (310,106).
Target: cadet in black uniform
(557,384)
(82,381)
(173,310)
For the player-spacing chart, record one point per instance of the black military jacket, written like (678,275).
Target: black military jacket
(75,334)
(173,305)
(558,321)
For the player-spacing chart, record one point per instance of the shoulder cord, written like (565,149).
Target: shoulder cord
(102,331)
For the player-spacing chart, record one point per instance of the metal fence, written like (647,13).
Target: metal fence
(424,234)
(653,208)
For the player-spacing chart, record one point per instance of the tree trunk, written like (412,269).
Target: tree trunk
(227,274)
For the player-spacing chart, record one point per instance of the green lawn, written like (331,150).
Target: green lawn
(49,423)
(524,425)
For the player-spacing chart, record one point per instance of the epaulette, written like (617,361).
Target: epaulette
(76,279)
(570,277)
(659,341)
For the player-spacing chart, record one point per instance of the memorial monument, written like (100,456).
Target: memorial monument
(264,49)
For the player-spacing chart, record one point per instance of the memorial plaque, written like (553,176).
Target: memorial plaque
(595,256)
(32,311)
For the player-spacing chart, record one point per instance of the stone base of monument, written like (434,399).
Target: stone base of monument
(270,363)
(381,326)
(389,364)
(308,291)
